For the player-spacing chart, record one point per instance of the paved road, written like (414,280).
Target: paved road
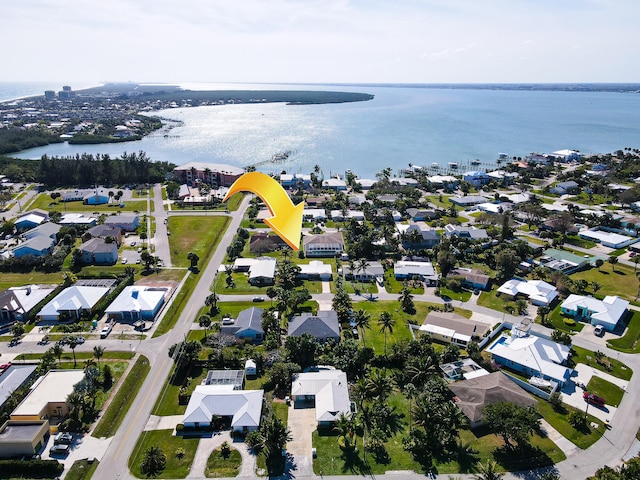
(160,239)
(114,462)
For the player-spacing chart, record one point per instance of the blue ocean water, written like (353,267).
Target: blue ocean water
(401,125)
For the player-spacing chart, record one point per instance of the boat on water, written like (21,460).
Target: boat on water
(435,165)
(453,165)
(475,162)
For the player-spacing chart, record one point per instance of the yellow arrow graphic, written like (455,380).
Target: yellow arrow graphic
(287,217)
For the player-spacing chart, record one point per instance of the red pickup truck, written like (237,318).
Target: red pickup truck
(593,399)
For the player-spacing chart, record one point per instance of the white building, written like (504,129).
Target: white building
(539,292)
(329,389)
(72,302)
(607,312)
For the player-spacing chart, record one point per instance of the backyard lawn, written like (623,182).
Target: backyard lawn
(621,281)
(10,279)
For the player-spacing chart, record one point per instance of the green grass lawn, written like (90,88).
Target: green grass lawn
(629,342)
(199,235)
(44,202)
(176,467)
(119,406)
(281,410)
(395,286)
(575,240)
(621,281)
(560,421)
(618,369)
(557,319)
(9,279)
(463,295)
(175,309)
(219,466)
(435,199)
(82,470)
(167,402)
(490,300)
(611,393)
(359,287)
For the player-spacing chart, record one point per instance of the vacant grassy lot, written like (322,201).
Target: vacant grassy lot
(119,406)
(621,281)
(199,235)
(9,279)
(176,467)
(175,309)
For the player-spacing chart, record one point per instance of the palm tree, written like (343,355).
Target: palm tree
(488,471)
(595,286)
(98,352)
(378,385)
(406,301)
(153,462)
(636,260)
(75,400)
(362,320)
(73,343)
(386,323)
(613,260)
(205,322)
(212,302)
(410,392)
(543,311)
(57,350)
(345,428)
(362,267)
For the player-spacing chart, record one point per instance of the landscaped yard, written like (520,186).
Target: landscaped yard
(611,393)
(176,467)
(629,343)
(560,421)
(618,369)
(463,295)
(220,466)
(621,281)
(197,234)
(563,322)
(395,286)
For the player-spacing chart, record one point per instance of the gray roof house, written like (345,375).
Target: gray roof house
(98,252)
(248,325)
(420,239)
(564,187)
(323,245)
(323,327)
(37,246)
(47,229)
(465,232)
(127,222)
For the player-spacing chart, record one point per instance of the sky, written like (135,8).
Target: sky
(321,41)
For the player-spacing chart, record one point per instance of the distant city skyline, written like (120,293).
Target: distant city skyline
(323,41)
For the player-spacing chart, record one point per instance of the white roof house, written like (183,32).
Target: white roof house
(409,269)
(137,302)
(538,291)
(607,239)
(607,312)
(16,302)
(72,300)
(243,406)
(330,390)
(533,355)
(315,268)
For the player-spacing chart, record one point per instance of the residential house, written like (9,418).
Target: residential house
(47,229)
(17,302)
(351,215)
(336,184)
(124,221)
(36,246)
(28,221)
(409,269)
(607,312)
(475,178)
(98,252)
(314,215)
(472,278)
(328,388)
(324,326)
(263,242)
(416,237)
(323,245)
(419,214)
(566,155)
(366,183)
(72,302)
(446,181)
(532,355)
(248,325)
(465,232)
(448,327)
(473,395)
(13,377)
(462,369)
(563,188)
(315,270)
(372,271)
(242,408)
(137,302)
(539,292)
(105,231)
(261,271)
(299,180)
(563,261)
(503,177)
(47,400)
(607,239)
(77,220)
(468,201)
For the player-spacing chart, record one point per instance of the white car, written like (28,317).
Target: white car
(124,261)
(106,330)
(598,331)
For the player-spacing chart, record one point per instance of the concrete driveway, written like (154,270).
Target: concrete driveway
(302,423)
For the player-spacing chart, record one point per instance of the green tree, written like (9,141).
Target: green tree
(613,260)
(194,259)
(205,322)
(386,323)
(154,462)
(362,321)
(17,330)
(98,352)
(211,301)
(512,422)
(406,301)
(487,471)
(276,435)
(57,349)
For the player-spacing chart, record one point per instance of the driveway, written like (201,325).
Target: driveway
(302,423)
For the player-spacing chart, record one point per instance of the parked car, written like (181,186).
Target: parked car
(4,366)
(106,330)
(355,333)
(598,331)
(124,261)
(60,449)
(64,438)
(258,299)
(593,399)
(79,339)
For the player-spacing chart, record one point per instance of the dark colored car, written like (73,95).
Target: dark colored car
(59,449)
(593,399)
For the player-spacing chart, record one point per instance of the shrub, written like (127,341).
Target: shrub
(569,321)
(30,469)
(179,453)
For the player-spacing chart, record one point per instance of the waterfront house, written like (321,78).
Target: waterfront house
(214,174)
(607,312)
(476,178)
